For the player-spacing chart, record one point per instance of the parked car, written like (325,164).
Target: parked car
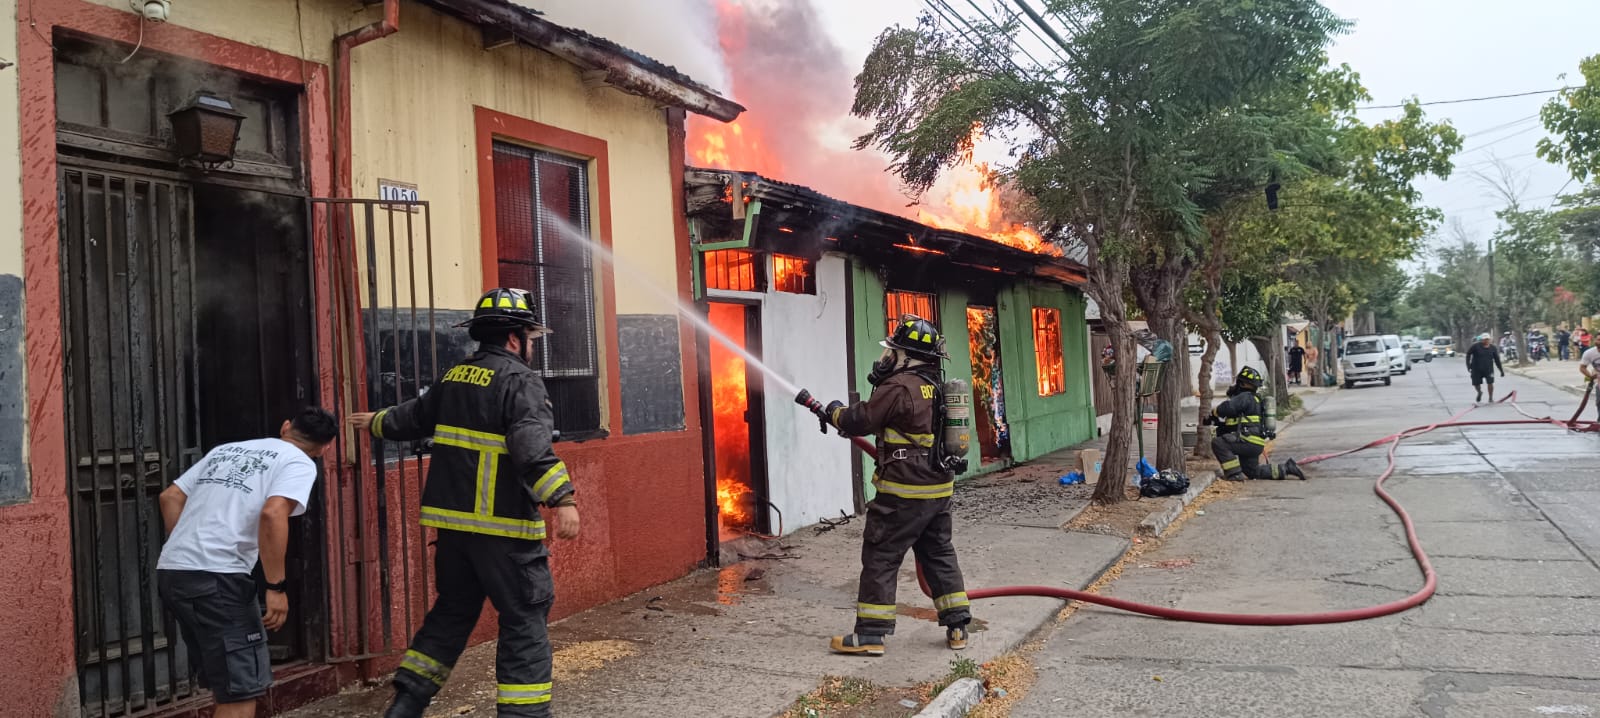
(1366,358)
(1397,355)
(1444,347)
(1415,351)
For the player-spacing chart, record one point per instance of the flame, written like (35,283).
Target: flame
(729,402)
(797,129)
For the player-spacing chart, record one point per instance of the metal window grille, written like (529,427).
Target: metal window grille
(543,228)
(897,304)
(734,270)
(1047,351)
(794,275)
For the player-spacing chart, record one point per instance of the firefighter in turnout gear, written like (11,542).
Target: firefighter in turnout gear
(1242,435)
(492,467)
(915,482)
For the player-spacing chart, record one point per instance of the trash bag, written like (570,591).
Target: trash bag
(1166,483)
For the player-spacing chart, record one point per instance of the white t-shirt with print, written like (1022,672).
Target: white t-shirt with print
(1591,359)
(220,526)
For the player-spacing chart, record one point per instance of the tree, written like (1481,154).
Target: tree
(1573,116)
(1109,143)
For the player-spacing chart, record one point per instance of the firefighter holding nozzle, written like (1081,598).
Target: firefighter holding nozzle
(915,478)
(1245,423)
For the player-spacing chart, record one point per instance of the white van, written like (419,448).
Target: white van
(1397,355)
(1366,358)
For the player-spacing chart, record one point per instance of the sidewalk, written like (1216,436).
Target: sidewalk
(1563,375)
(750,638)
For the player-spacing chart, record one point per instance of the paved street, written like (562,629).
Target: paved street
(1511,516)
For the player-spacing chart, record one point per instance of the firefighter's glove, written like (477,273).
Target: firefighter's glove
(830,415)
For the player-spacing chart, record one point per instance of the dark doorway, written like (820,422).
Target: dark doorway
(187,324)
(988,386)
(737,426)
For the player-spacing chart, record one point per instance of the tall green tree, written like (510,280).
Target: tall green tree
(1573,116)
(1113,145)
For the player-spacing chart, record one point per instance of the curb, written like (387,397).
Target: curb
(1575,391)
(955,700)
(1159,520)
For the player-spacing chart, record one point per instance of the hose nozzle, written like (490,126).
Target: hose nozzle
(805,399)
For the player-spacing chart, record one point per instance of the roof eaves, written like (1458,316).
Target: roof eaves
(627,70)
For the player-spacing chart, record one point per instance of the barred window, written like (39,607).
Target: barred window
(1047,351)
(897,304)
(794,275)
(543,227)
(734,270)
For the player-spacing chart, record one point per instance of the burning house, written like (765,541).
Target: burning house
(807,285)
(221,211)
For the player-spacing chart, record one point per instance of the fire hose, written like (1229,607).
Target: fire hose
(1430,577)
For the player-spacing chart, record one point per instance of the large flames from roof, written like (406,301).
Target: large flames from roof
(798,128)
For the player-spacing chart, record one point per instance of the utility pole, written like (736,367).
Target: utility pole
(1494,316)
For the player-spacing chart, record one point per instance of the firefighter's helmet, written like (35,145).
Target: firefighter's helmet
(1248,375)
(506,307)
(918,338)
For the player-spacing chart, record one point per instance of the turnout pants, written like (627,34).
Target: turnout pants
(514,574)
(1242,459)
(895,524)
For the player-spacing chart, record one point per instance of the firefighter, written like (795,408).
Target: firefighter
(1242,437)
(492,467)
(914,482)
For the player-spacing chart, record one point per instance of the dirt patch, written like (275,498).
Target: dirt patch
(839,697)
(578,659)
(1007,679)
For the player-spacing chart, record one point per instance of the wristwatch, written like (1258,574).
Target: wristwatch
(280,587)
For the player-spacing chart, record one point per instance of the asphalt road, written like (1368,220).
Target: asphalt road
(1510,515)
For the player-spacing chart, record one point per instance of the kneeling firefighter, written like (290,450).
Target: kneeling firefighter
(1245,424)
(915,479)
(492,468)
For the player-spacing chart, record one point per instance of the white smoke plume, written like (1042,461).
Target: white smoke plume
(681,33)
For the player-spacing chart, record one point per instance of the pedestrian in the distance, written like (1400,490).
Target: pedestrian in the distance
(1589,364)
(220,516)
(1482,361)
(1563,343)
(1297,357)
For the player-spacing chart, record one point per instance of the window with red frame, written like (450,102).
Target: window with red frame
(1047,351)
(542,227)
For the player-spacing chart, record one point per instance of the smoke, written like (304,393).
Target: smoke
(681,33)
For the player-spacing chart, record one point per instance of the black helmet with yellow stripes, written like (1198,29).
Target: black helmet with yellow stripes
(1250,376)
(507,308)
(918,338)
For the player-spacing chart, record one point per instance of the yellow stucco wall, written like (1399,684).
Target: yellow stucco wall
(413,96)
(10,145)
(300,29)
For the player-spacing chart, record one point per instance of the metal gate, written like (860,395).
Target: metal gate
(388,343)
(128,329)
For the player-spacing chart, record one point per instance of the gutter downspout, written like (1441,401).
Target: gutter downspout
(343,178)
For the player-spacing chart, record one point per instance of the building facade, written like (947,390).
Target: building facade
(809,285)
(392,161)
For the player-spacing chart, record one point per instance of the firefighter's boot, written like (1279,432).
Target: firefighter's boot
(1292,469)
(857,644)
(406,705)
(956,638)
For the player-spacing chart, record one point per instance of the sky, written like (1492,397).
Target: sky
(1430,49)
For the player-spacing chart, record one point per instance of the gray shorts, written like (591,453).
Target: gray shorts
(221,623)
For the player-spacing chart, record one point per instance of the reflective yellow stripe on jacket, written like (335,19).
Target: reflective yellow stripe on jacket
(482,520)
(890,436)
(916,491)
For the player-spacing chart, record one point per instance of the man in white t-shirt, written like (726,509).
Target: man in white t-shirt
(221,515)
(1589,364)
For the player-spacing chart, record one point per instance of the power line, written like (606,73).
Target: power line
(1465,99)
(1496,128)
(1011,40)
(1503,139)
(941,8)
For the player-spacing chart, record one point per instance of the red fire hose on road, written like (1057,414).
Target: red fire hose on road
(1430,582)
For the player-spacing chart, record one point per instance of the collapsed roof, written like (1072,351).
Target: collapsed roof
(797,220)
